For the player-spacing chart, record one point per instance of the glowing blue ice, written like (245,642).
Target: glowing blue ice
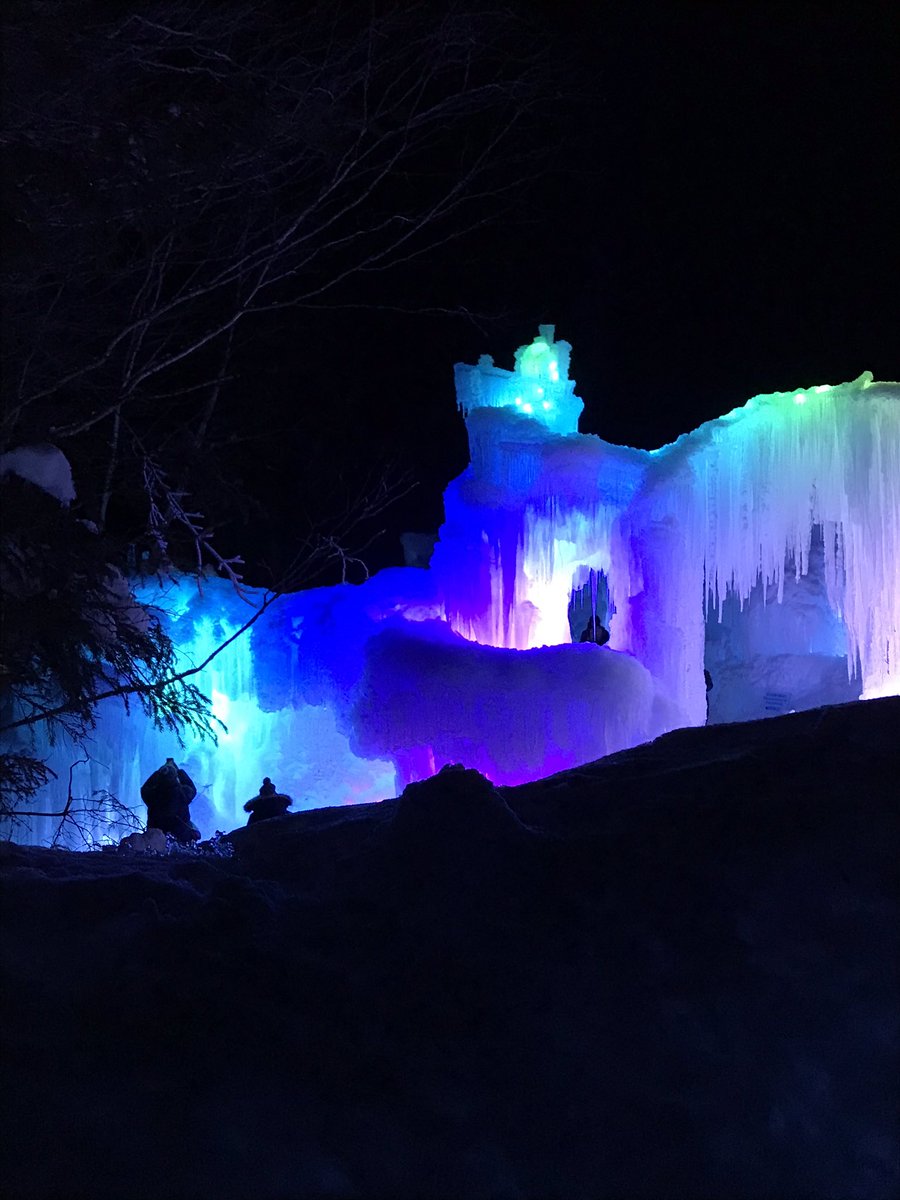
(765,546)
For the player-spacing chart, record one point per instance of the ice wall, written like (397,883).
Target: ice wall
(345,694)
(762,478)
(429,697)
(277,708)
(676,530)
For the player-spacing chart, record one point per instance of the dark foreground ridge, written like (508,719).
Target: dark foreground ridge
(672,973)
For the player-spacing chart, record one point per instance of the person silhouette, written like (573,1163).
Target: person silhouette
(268,803)
(595,632)
(168,793)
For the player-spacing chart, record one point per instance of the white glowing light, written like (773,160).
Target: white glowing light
(540,391)
(800,398)
(547,405)
(889,686)
(518,399)
(527,408)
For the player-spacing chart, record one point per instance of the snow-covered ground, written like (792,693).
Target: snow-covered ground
(673,973)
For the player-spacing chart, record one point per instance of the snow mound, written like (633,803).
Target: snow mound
(43,465)
(452,804)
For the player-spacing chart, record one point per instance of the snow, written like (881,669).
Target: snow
(43,465)
(670,973)
(763,547)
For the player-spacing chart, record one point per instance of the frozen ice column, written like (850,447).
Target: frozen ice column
(534,508)
(513,418)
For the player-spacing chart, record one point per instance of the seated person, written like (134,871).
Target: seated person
(269,803)
(168,794)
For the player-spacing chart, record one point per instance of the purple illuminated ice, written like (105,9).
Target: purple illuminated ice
(763,547)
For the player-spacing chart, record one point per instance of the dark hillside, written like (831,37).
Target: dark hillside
(673,973)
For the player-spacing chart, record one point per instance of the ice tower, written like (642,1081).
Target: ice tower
(539,387)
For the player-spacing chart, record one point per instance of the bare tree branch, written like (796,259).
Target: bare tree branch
(183,177)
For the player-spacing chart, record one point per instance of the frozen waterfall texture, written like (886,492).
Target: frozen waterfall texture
(764,546)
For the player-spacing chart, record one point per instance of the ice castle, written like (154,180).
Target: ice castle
(761,553)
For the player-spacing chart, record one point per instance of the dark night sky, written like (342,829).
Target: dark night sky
(717,219)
